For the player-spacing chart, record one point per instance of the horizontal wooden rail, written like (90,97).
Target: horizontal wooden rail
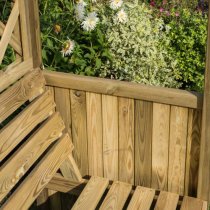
(171,96)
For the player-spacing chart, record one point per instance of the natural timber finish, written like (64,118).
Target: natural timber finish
(92,193)
(204,169)
(26,89)
(40,176)
(121,196)
(117,196)
(125,89)
(142,199)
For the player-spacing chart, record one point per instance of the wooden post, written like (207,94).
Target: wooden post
(204,166)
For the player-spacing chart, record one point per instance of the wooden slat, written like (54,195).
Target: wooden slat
(42,202)
(190,203)
(26,89)
(54,200)
(61,184)
(92,193)
(17,34)
(177,97)
(167,201)
(25,28)
(14,42)
(40,176)
(143,143)
(110,136)
(70,170)
(160,143)
(177,149)
(117,196)
(142,199)
(12,134)
(94,129)
(126,140)
(8,30)
(28,153)
(193,151)
(13,73)
(79,130)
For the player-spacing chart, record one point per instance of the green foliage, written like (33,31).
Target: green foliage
(90,49)
(188,35)
(139,49)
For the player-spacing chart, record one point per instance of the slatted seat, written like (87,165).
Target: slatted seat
(122,195)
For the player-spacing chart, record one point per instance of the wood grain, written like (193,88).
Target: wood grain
(167,201)
(94,129)
(193,151)
(92,193)
(27,88)
(40,176)
(117,196)
(12,134)
(14,42)
(8,30)
(126,140)
(177,149)
(110,136)
(79,129)
(160,145)
(177,97)
(190,203)
(143,142)
(20,162)
(142,199)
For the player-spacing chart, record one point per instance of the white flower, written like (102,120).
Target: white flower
(90,22)
(115,4)
(82,3)
(79,12)
(68,47)
(122,16)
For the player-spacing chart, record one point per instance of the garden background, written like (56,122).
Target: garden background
(157,42)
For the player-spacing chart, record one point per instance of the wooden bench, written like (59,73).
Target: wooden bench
(34,145)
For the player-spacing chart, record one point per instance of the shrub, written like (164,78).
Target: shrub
(139,49)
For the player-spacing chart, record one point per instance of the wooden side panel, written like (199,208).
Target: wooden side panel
(54,200)
(143,143)
(117,196)
(62,100)
(160,144)
(193,151)
(94,129)
(110,136)
(27,88)
(126,140)
(193,204)
(79,129)
(40,176)
(142,199)
(24,123)
(92,193)
(177,149)
(167,201)
(28,153)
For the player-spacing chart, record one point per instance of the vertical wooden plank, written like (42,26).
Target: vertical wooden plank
(126,140)
(193,151)
(94,129)
(42,200)
(204,169)
(17,35)
(25,28)
(62,100)
(110,136)
(160,144)
(79,129)
(177,149)
(143,142)
(35,40)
